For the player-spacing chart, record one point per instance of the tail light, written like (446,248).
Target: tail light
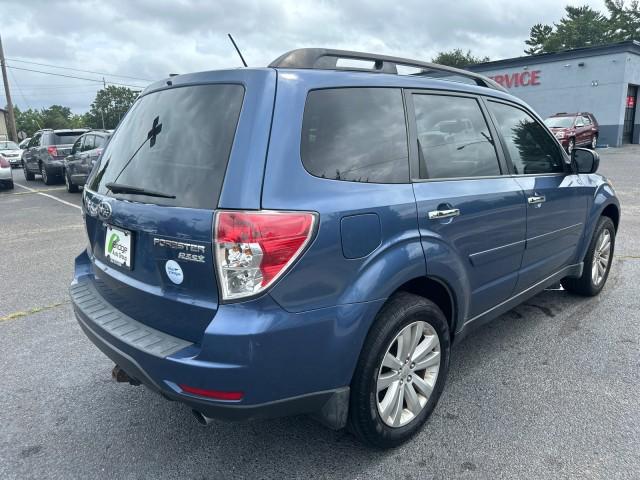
(253,249)
(4,163)
(53,151)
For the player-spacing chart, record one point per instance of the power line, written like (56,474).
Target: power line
(19,89)
(79,70)
(72,76)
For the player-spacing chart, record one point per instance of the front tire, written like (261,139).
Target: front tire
(597,262)
(401,371)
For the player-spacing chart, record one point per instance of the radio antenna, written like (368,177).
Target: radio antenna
(237,49)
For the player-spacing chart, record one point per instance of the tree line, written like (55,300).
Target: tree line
(109,106)
(579,27)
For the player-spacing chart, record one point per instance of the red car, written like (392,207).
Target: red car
(574,129)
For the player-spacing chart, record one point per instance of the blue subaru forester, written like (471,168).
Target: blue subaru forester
(312,237)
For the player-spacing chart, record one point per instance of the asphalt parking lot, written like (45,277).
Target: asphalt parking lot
(549,390)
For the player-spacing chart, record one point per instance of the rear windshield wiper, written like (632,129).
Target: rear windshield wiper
(119,188)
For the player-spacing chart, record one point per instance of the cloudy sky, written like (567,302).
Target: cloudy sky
(143,40)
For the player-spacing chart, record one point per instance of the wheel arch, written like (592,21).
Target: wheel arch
(613,212)
(438,292)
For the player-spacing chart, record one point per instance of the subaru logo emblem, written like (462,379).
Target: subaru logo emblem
(104,210)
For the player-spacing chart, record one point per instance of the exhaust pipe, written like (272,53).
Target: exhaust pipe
(201,418)
(120,376)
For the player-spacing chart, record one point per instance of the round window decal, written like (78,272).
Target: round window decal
(174,271)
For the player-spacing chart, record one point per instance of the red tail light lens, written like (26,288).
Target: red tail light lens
(218,395)
(53,151)
(253,249)
(4,163)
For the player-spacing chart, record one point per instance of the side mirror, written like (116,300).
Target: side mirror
(585,160)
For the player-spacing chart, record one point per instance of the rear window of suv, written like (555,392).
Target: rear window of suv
(355,134)
(64,138)
(176,142)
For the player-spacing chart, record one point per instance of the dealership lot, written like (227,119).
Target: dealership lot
(549,390)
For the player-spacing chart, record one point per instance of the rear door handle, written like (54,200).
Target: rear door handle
(536,199)
(437,214)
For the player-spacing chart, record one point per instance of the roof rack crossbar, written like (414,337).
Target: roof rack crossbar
(327,59)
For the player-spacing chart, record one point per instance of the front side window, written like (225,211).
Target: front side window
(453,138)
(77,146)
(88,143)
(531,148)
(355,134)
(99,141)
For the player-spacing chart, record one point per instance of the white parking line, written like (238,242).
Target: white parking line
(47,195)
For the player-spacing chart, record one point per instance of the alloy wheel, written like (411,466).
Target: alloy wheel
(594,142)
(408,374)
(601,257)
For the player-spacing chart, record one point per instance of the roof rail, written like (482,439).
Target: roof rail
(327,59)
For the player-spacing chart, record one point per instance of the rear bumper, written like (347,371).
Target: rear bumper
(54,167)
(79,178)
(310,403)
(284,363)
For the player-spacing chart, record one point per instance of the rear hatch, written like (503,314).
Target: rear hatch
(150,205)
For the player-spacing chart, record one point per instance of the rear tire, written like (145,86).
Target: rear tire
(571,145)
(597,261)
(425,322)
(28,176)
(9,185)
(46,177)
(71,187)
(594,142)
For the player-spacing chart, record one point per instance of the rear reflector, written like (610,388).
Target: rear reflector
(253,249)
(216,394)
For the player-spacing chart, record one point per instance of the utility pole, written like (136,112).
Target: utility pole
(13,135)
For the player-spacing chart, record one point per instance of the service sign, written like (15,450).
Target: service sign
(525,78)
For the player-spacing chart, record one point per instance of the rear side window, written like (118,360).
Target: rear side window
(356,134)
(64,138)
(531,148)
(453,138)
(176,142)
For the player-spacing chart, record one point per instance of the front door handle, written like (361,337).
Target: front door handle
(438,214)
(536,199)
